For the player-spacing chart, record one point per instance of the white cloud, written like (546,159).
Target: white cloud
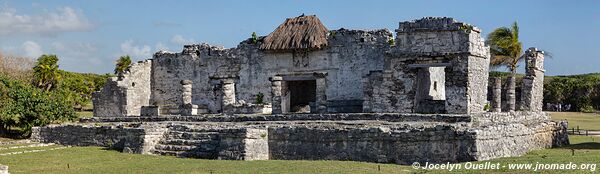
(142,51)
(161,47)
(180,40)
(65,19)
(32,49)
(74,50)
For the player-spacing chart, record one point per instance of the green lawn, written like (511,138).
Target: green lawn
(98,160)
(586,121)
(85,114)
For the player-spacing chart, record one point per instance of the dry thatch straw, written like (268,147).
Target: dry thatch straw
(299,33)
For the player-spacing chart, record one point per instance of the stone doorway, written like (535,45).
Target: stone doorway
(302,95)
(299,93)
(430,94)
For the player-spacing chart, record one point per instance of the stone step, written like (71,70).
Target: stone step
(187,154)
(174,147)
(192,135)
(171,147)
(189,128)
(188,142)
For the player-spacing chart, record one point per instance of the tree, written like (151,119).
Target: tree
(506,50)
(23,106)
(122,64)
(45,72)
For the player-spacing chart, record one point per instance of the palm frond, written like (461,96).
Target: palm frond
(515,31)
(505,47)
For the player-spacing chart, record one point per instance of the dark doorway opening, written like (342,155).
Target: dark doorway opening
(302,94)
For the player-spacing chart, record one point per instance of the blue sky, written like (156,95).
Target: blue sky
(89,36)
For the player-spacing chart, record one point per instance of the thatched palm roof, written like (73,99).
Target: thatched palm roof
(299,33)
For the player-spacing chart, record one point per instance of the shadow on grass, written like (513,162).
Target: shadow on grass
(586,145)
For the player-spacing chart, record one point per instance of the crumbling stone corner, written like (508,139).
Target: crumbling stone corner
(533,82)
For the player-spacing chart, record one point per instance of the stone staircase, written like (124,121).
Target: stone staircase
(187,141)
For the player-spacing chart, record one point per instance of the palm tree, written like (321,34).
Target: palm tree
(45,72)
(122,64)
(506,50)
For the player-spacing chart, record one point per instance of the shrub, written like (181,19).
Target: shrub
(254,38)
(78,87)
(581,91)
(486,107)
(24,106)
(259,98)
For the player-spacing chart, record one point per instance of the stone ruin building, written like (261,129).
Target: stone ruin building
(306,92)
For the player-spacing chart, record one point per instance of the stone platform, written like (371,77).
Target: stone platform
(369,137)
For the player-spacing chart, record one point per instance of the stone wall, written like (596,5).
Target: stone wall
(377,137)
(126,94)
(434,44)
(236,143)
(371,144)
(388,117)
(137,139)
(351,54)
(522,117)
(427,43)
(509,140)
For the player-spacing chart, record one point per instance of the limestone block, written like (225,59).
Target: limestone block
(150,111)
(3,169)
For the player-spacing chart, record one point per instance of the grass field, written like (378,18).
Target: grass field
(98,160)
(85,114)
(586,121)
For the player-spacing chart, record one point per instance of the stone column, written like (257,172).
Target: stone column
(510,93)
(276,93)
(186,99)
(321,97)
(228,87)
(497,95)
(532,93)
(186,94)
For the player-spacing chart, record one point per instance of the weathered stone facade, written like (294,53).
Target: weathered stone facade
(355,97)
(126,94)
(427,46)
(351,55)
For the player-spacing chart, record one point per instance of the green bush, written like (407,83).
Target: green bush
(78,87)
(581,91)
(254,38)
(259,98)
(24,106)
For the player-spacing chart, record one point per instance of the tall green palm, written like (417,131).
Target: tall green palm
(45,72)
(122,64)
(506,50)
